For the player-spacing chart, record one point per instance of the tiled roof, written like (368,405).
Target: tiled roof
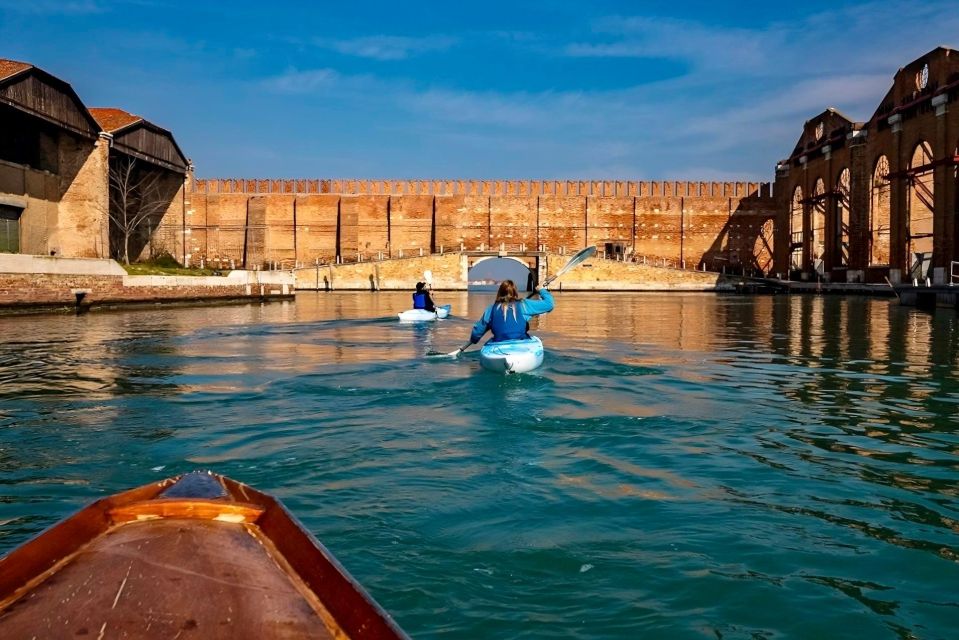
(11,67)
(111,120)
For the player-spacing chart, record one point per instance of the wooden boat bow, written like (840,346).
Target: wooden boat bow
(197,555)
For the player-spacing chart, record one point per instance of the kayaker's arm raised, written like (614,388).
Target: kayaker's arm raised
(533,307)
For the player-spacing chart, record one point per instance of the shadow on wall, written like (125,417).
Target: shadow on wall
(140,196)
(744,246)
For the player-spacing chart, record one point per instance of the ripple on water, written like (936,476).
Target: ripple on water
(683,466)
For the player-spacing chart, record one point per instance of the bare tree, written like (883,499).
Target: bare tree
(136,196)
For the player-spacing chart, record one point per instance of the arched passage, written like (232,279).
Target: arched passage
(879,213)
(842,219)
(817,226)
(486,273)
(919,223)
(795,230)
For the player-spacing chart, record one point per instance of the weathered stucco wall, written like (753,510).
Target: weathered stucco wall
(37,193)
(82,229)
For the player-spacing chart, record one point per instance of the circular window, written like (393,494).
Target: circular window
(922,78)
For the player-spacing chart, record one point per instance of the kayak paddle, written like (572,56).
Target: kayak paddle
(428,278)
(451,354)
(578,259)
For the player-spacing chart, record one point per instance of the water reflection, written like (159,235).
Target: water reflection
(788,451)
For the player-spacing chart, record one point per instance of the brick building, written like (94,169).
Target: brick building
(861,202)
(56,165)
(147,175)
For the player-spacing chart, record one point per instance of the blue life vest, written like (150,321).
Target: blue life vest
(512,327)
(419,300)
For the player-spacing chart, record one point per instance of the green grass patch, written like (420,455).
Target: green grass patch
(147,269)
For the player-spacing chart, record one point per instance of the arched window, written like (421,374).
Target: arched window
(817,225)
(842,218)
(879,213)
(919,225)
(795,230)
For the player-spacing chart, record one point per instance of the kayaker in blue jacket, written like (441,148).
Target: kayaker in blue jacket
(422,298)
(508,317)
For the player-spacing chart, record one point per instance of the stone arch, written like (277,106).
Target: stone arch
(920,211)
(879,213)
(842,218)
(529,263)
(796,230)
(524,283)
(817,226)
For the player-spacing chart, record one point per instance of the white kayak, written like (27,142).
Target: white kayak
(512,356)
(422,315)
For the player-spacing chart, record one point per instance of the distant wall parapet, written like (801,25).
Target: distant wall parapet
(595,188)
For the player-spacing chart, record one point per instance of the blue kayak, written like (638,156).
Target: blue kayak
(512,356)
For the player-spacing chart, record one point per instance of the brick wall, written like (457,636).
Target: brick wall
(314,221)
(56,290)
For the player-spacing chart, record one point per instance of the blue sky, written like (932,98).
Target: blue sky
(513,90)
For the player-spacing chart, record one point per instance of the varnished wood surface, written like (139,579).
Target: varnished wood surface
(199,555)
(167,579)
(172,508)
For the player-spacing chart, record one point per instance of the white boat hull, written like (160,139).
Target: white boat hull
(512,356)
(422,315)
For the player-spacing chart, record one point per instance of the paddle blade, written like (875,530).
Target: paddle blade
(582,256)
(428,278)
(451,354)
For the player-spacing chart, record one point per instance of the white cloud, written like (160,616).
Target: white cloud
(705,45)
(477,108)
(53,7)
(738,106)
(302,82)
(384,47)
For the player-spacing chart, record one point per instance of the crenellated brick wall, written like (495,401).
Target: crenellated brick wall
(719,225)
(484,187)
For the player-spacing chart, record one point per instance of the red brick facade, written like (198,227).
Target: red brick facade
(867,201)
(254,222)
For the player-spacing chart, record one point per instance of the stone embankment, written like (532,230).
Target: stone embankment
(39,283)
(451,271)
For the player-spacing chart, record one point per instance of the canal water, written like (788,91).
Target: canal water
(682,466)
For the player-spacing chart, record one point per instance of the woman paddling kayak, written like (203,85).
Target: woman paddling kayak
(508,317)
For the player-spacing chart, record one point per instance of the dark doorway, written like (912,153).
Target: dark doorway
(10,229)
